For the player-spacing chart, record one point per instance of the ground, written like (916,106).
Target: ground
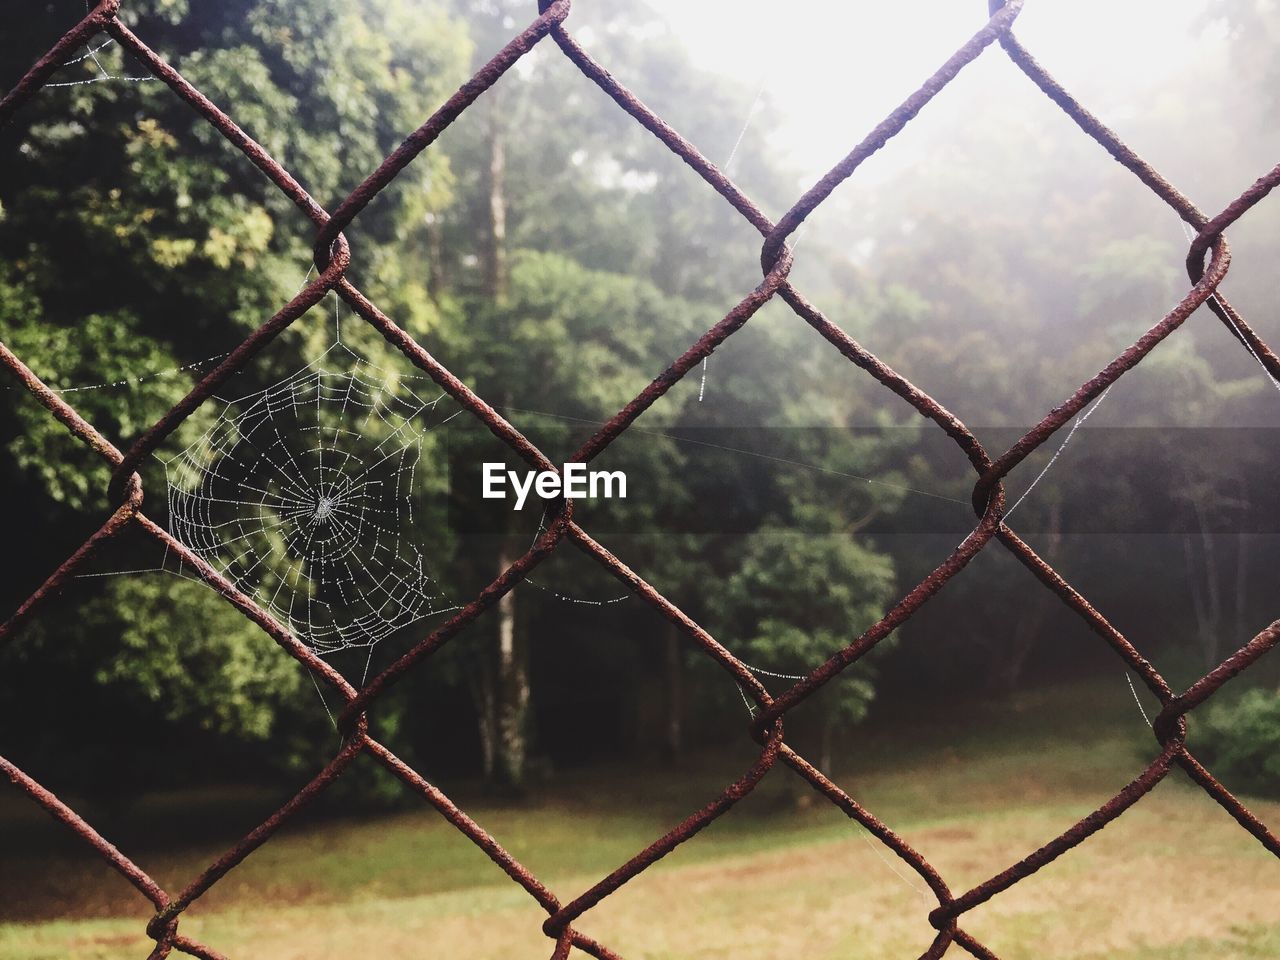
(1174,878)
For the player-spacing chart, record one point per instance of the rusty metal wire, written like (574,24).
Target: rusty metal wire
(1207,262)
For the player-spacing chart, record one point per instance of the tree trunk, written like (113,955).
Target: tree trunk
(673,734)
(1242,587)
(512,710)
(497,278)
(482,695)
(1205,583)
(1026,632)
(513,692)
(1212,638)
(437,275)
(825,746)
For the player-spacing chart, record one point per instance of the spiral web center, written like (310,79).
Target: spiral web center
(303,496)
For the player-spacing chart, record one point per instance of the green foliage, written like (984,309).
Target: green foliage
(135,215)
(584,179)
(796,599)
(1242,740)
(135,240)
(565,350)
(104,349)
(192,655)
(572,339)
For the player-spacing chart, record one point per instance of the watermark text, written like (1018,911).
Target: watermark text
(574,482)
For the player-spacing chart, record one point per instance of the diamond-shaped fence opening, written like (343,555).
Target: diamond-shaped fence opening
(318,510)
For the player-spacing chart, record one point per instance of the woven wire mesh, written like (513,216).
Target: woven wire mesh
(1207,263)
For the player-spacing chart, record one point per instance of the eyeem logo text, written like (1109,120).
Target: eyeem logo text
(574,483)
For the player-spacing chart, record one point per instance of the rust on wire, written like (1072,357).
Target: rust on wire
(124,499)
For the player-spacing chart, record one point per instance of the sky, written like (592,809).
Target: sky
(837,67)
(832,69)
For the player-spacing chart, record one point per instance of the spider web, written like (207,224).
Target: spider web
(302,495)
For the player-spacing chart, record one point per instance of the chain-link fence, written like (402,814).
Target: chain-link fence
(1207,264)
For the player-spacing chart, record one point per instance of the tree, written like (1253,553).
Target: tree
(578,257)
(578,344)
(794,601)
(134,240)
(547,249)
(1241,739)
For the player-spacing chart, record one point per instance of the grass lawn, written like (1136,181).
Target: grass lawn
(777,877)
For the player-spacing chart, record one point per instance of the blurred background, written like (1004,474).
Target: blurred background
(556,257)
